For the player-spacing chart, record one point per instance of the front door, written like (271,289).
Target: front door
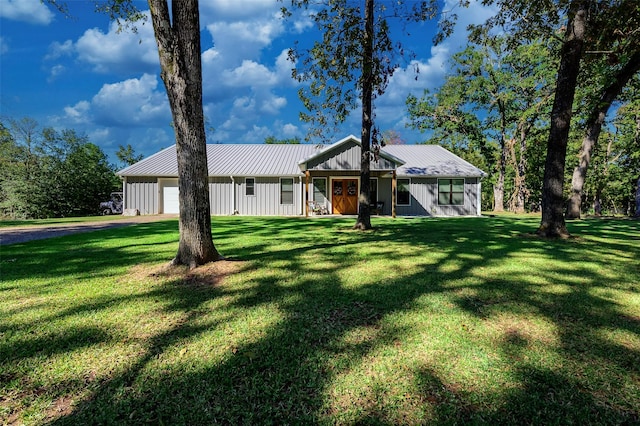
(345,196)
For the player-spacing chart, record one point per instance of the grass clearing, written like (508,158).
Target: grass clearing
(441,321)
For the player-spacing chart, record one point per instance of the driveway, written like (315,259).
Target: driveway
(21,234)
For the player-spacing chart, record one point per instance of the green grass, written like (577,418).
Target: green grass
(422,321)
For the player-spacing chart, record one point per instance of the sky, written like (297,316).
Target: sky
(80,72)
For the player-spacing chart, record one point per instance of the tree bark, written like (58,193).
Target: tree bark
(594,127)
(498,188)
(178,39)
(552,223)
(364,206)
(637,214)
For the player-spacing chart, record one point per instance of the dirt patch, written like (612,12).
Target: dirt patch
(211,274)
(22,234)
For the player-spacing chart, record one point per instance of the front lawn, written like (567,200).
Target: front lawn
(422,321)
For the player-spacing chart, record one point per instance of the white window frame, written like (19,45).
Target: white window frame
(398,191)
(293,192)
(246,186)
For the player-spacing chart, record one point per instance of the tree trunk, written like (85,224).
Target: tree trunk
(594,126)
(178,39)
(637,214)
(498,188)
(364,207)
(553,224)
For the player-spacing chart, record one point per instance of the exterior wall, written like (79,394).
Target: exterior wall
(141,193)
(221,196)
(424,199)
(346,157)
(266,201)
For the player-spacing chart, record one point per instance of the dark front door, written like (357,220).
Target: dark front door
(345,196)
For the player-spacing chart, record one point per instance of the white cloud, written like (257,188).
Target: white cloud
(30,11)
(118,51)
(4,46)
(55,72)
(58,50)
(78,114)
(129,103)
(133,102)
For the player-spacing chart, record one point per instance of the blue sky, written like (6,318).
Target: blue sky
(81,73)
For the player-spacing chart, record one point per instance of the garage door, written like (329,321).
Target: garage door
(170,198)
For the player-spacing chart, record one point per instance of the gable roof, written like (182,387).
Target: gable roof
(431,161)
(335,146)
(262,160)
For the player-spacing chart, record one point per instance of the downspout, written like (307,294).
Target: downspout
(233,195)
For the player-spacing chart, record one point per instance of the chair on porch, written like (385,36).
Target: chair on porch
(317,208)
(377,208)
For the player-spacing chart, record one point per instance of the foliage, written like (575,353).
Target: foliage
(46,173)
(127,155)
(424,321)
(490,109)
(334,66)
(272,140)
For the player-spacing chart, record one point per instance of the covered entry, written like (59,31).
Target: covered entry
(344,193)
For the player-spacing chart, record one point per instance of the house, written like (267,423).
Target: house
(283,180)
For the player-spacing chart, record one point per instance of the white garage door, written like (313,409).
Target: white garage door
(170,198)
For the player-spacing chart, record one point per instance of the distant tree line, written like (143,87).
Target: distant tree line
(50,173)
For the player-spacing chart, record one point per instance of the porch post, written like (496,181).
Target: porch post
(306,194)
(394,190)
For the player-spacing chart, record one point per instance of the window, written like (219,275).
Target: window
(319,189)
(404,196)
(250,186)
(286,191)
(451,192)
(373,192)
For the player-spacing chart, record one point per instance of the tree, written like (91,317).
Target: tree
(272,140)
(177,34)
(491,103)
(178,37)
(353,62)
(127,155)
(594,124)
(598,24)
(48,173)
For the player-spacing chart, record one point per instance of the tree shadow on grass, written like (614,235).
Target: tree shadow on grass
(328,328)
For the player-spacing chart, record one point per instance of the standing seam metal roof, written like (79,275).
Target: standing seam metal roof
(261,160)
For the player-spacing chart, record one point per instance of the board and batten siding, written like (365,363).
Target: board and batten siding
(424,199)
(221,196)
(141,193)
(346,157)
(266,201)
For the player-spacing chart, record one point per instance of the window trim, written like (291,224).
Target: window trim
(450,192)
(292,191)
(398,191)
(246,187)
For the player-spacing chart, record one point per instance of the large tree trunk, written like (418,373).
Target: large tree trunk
(364,208)
(178,38)
(552,223)
(594,126)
